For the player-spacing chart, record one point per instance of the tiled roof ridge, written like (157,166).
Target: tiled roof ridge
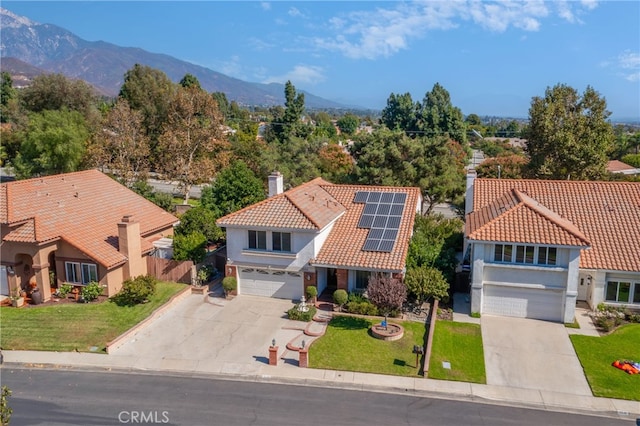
(317,182)
(365,187)
(500,204)
(550,215)
(564,181)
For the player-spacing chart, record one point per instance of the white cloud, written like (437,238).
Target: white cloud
(386,31)
(589,4)
(265,5)
(295,13)
(300,74)
(626,65)
(232,67)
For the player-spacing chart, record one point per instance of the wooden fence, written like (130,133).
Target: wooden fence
(170,270)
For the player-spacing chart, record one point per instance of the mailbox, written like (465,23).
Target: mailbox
(418,349)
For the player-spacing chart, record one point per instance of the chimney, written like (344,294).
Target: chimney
(468,202)
(129,244)
(275,184)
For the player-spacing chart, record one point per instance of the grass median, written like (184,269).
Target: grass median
(596,355)
(459,344)
(75,326)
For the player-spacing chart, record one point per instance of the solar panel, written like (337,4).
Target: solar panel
(390,234)
(361,197)
(380,222)
(376,233)
(370,208)
(366,221)
(383,209)
(386,245)
(393,222)
(396,209)
(374,197)
(371,245)
(387,197)
(399,198)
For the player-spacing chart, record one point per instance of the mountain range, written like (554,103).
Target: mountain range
(29,48)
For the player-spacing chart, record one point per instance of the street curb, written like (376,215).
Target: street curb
(331,384)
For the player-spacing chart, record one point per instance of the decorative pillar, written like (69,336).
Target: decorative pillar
(273,355)
(304,358)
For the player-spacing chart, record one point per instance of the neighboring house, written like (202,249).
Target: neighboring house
(322,234)
(539,246)
(617,166)
(83,226)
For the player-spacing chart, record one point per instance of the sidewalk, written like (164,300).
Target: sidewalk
(183,342)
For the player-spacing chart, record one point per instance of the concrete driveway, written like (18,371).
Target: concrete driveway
(531,354)
(226,335)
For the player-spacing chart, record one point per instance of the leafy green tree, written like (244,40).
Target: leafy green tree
(400,113)
(348,123)
(150,91)
(569,136)
(507,166)
(426,282)
(335,163)
(223,104)
(324,126)
(190,247)
(192,144)
(122,145)
(287,123)
(190,80)
(7,94)
(161,199)
(437,116)
(632,160)
(235,187)
(473,120)
(54,142)
(200,219)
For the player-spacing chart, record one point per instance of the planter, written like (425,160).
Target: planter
(18,302)
(203,289)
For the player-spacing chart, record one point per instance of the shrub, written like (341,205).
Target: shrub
(135,291)
(64,290)
(91,291)
(296,315)
(362,308)
(190,247)
(312,291)
(229,284)
(475,315)
(386,293)
(5,410)
(340,297)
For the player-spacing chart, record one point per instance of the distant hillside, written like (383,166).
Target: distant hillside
(21,72)
(103,65)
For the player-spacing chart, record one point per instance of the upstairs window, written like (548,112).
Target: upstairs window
(258,240)
(547,255)
(524,254)
(502,253)
(281,241)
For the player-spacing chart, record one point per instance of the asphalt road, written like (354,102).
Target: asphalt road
(63,397)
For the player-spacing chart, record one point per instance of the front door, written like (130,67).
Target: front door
(584,282)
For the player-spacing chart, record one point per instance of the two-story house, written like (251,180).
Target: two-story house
(539,246)
(322,234)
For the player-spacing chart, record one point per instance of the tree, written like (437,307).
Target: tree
(426,282)
(192,145)
(54,142)
(123,145)
(190,247)
(190,80)
(200,219)
(150,91)
(235,187)
(335,163)
(7,94)
(507,166)
(569,136)
(5,410)
(388,294)
(287,123)
(437,116)
(400,113)
(348,123)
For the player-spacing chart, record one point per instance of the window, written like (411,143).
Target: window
(524,254)
(546,255)
(618,291)
(81,273)
(258,240)
(281,241)
(362,279)
(502,253)
(636,293)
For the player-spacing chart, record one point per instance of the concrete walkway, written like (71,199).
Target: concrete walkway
(230,340)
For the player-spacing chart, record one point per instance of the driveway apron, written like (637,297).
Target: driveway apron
(531,354)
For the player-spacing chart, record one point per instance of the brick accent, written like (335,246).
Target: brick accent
(342,277)
(230,271)
(304,358)
(273,355)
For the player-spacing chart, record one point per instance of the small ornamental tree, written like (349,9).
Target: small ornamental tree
(426,282)
(5,410)
(387,293)
(340,297)
(190,247)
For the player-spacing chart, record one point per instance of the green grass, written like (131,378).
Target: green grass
(596,355)
(461,345)
(194,202)
(75,326)
(347,345)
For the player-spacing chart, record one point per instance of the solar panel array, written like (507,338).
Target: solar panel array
(382,215)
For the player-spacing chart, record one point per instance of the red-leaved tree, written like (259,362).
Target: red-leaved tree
(387,293)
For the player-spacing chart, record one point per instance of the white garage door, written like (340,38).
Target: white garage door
(4,283)
(278,284)
(523,302)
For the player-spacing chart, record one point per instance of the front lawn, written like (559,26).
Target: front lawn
(75,326)
(596,355)
(347,345)
(460,344)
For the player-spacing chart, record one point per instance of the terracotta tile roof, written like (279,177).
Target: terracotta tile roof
(618,166)
(307,206)
(606,213)
(517,218)
(343,247)
(82,208)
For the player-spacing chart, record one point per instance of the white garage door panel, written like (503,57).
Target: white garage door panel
(523,302)
(278,285)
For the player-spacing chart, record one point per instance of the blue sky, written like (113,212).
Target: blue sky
(492,57)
